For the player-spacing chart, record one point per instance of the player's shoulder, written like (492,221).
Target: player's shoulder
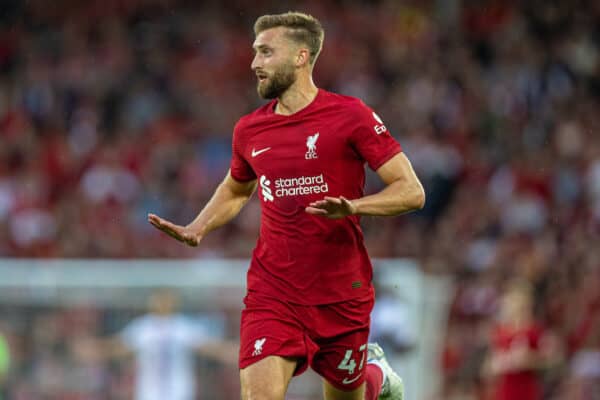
(138,324)
(351,106)
(341,99)
(256,116)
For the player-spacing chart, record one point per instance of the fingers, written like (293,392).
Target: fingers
(175,231)
(320,207)
(331,207)
(158,221)
(326,201)
(334,200)
(161,224)
(152,218)
(316,211)
(318,203)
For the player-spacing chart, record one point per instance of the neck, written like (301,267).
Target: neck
(520,321)
(296,97)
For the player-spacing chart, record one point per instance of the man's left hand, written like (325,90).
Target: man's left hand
(332,207)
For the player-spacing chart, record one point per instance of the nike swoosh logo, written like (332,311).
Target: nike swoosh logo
(347,381)
(257,152)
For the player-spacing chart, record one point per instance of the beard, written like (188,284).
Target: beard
(277,84)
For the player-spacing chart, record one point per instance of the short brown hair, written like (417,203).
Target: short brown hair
(302,28)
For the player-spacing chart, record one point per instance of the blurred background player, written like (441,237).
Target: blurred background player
(583,344)
(520,349)
(390,322)
(164,343)
(310,290)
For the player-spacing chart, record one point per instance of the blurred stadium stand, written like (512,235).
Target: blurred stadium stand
(110,109)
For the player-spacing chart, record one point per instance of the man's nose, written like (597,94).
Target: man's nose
(255,63)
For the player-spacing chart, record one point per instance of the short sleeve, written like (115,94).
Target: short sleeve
(371,138)
(132,334)
(240,168)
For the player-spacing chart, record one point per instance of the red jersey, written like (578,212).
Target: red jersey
(525,384)
(318,151)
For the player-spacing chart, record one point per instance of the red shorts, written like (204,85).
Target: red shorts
(331,338)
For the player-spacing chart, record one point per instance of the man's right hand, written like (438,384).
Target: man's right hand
(181,233)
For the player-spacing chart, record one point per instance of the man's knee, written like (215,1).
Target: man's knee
(272,391)
(331,393)
(267,379)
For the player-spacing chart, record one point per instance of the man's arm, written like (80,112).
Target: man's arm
(227,201)
(223,351)
(115,347)
(403,193)
(91,348)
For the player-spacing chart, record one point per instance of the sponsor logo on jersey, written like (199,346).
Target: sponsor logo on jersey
(299,186)
(311,144)
(265,187)
(377,118)
(258,346)
(257,152)
(379,128)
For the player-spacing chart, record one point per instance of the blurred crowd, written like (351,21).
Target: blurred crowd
(110,110)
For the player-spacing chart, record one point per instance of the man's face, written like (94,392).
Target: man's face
(163,302)
(273,62)
(514,306)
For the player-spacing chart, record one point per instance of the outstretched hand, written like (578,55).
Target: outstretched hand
(181,233)
(332,207)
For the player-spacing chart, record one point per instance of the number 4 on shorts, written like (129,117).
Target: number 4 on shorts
(348,363)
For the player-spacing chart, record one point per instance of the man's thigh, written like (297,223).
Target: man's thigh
(272,348)
(342,364)
(271,328)
(343,332)
(267,379)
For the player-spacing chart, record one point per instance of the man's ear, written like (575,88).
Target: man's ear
(303,57)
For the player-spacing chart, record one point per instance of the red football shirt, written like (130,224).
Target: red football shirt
(318,151)
(524,384)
